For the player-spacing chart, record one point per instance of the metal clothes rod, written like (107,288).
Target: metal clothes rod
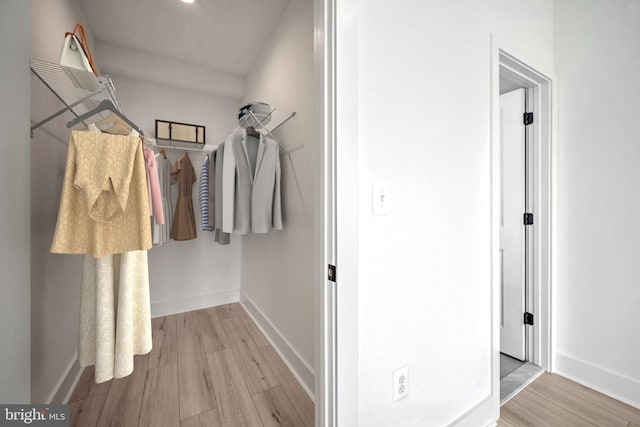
(293,113)
(291,116)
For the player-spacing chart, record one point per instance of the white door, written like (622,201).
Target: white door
(512,232)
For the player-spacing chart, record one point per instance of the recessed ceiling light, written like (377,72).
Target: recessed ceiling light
(188,1)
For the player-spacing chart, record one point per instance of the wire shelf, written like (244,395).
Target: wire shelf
(172,144)
(270,121)
(66,84)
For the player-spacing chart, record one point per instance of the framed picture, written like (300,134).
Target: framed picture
(177,131)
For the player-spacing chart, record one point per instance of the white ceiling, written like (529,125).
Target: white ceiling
(225,35)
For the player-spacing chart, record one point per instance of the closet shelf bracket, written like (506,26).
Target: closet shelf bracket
(291,115)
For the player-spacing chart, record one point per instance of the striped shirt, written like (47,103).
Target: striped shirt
(203,192)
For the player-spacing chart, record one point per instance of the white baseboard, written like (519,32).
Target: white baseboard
(196,302)
(298,366)
(612,384)
(483,413)
(64,388)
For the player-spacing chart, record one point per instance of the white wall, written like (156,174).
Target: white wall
(50,20)
(55,279)
(168,72)
(423,273)
(15,384)
(197,273)
(278,268)
(598,298)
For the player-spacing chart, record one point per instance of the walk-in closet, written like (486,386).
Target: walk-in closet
(201,311)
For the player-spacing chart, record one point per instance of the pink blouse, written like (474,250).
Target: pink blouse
(153,186)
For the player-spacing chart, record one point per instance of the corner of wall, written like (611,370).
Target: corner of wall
(613,384)
(15,245)
(300,369)
(67,383)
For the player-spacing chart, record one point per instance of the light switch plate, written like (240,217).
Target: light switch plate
(381,198)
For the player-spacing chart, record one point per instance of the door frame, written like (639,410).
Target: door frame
(523,230)
(326,293)
(541,292)
(542,346)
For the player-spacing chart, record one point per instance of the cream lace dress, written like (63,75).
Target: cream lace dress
(110,218)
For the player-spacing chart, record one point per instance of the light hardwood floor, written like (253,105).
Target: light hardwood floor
(214,368)
(552,400)
(209,368)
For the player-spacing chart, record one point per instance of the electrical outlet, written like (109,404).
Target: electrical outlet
(401,383)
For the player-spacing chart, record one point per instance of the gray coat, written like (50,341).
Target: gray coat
(256,193)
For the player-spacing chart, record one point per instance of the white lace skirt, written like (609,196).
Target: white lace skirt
(115,314)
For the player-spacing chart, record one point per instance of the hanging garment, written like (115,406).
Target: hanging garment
(212,189)
(256,187)
(220,236)
(228,184)
(153,185)
(115,314)
(203,195)
(162,232)
(104,207)
(115,321)
(184,222)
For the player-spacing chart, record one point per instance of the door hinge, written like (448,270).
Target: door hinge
(527,118)
(332,272)
(528,318)
(528,219)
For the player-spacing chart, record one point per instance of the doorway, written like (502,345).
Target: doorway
(522,170)
(515,222)
(517,120)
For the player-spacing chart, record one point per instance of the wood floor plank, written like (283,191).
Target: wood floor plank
(85,413)
(530,409)
(235,406)
(248,323)
(631,424)
(165,342)
(194,378)
(503,423)
(213,336)
(292,388)
(275,409)
(597,415)
(235,331)
(225,311)
(187,319)
(206,419)
(595,398)
(87,386)
(122,405)
(256,371)
(160,402)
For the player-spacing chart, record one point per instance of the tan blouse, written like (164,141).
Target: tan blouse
(104,207)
